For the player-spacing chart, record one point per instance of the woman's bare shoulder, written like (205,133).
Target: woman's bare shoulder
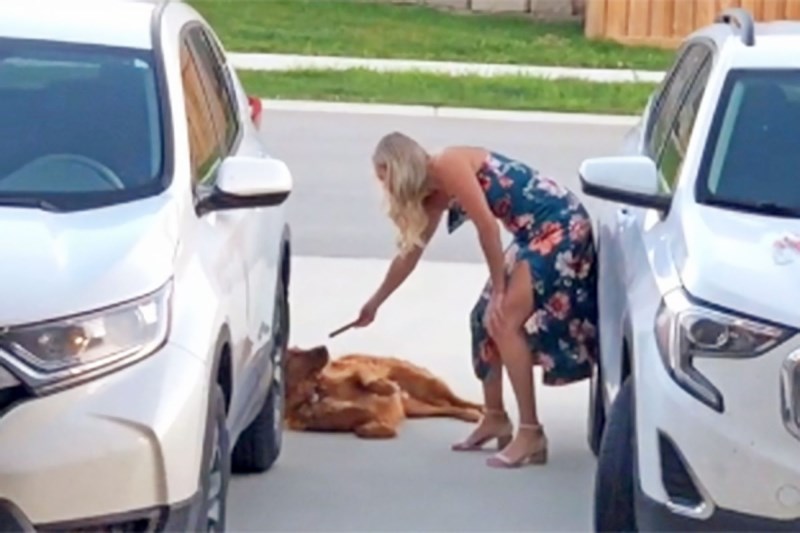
(474,155)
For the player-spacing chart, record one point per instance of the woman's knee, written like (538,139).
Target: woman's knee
(508,330)
(505,334)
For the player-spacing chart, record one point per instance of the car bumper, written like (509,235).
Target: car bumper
(181,516)
(701,467)
(128,441)
(655,516)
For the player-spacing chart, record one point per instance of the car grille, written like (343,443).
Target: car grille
(790,394)
(141,525)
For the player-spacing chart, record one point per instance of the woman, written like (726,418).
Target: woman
(539,305)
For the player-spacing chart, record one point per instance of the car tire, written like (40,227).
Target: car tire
(216,468)
(260,444)
(597,413)
(614,508)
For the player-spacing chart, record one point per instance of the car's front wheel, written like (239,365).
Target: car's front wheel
(614,508)
(216,468)
(597,415)
(260,444)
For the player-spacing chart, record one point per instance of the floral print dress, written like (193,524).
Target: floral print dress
(553,236)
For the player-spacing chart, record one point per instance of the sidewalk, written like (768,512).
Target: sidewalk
(550,117)
(267,62)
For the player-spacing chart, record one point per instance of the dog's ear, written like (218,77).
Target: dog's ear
(321,352)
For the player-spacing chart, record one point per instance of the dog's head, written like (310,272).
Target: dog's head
(302,369)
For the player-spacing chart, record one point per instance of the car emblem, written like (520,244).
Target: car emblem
(784,248)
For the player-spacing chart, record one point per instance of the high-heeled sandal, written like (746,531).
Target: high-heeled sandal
(503,435)
(536,456)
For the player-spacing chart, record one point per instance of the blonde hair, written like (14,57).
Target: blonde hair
(406,186)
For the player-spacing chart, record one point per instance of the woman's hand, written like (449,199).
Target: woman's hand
(367,314)
(494,313)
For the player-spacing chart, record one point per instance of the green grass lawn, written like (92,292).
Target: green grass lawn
(507,92)
(364,29)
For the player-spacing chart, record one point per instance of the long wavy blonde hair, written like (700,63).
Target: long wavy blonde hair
(406,186)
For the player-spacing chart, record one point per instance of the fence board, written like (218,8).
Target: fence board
(639,19)
(792,9)
(617,17)
(774,9)
(665,23)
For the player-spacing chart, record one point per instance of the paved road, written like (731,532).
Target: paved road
(336,209)
(413,483)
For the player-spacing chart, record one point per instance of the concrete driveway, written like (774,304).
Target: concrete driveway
(342,247)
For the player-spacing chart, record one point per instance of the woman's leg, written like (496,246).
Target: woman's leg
(493,385)
(489,369)
(495,423)
(518,360)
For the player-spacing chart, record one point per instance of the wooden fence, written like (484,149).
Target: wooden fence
(664,23)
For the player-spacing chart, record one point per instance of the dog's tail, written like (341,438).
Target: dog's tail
(416,409)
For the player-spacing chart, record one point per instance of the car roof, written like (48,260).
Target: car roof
(123,23)
(767,35)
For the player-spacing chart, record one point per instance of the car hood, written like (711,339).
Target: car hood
(59,264)
(730,259)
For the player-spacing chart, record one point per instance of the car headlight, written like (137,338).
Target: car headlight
(57,353)
(686,331)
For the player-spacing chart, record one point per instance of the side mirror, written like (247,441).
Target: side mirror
(248,182)
(631,180)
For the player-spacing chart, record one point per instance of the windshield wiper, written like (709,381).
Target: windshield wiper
(766,208)
(25,201)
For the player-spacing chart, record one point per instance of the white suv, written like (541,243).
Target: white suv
(697,394)
(144,271)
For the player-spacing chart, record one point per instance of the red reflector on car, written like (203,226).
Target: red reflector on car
(256,108)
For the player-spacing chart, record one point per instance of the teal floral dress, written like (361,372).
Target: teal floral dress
(553,236)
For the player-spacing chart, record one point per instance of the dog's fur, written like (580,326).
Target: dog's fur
(370,396)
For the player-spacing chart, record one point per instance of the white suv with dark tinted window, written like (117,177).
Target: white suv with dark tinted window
(696,400)
(144,272)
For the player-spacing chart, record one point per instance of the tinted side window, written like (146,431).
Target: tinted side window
(662,93)
(204,147)
(220,97)
(670,98)
(671,157)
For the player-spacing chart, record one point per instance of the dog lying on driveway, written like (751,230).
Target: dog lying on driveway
(370,396)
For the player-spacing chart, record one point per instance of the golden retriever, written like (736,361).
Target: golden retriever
(369,396)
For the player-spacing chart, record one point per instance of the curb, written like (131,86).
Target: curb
(283,62)
(448,112)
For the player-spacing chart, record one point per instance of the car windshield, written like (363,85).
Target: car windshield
(80,125)
(752,158)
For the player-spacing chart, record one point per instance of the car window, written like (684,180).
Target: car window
(204,146)
(752,157)
(664,92)
(81,124)
(668,101)
(220,98)
(670,160)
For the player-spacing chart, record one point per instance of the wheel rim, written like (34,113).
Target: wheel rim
(214,501)
(277,376)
